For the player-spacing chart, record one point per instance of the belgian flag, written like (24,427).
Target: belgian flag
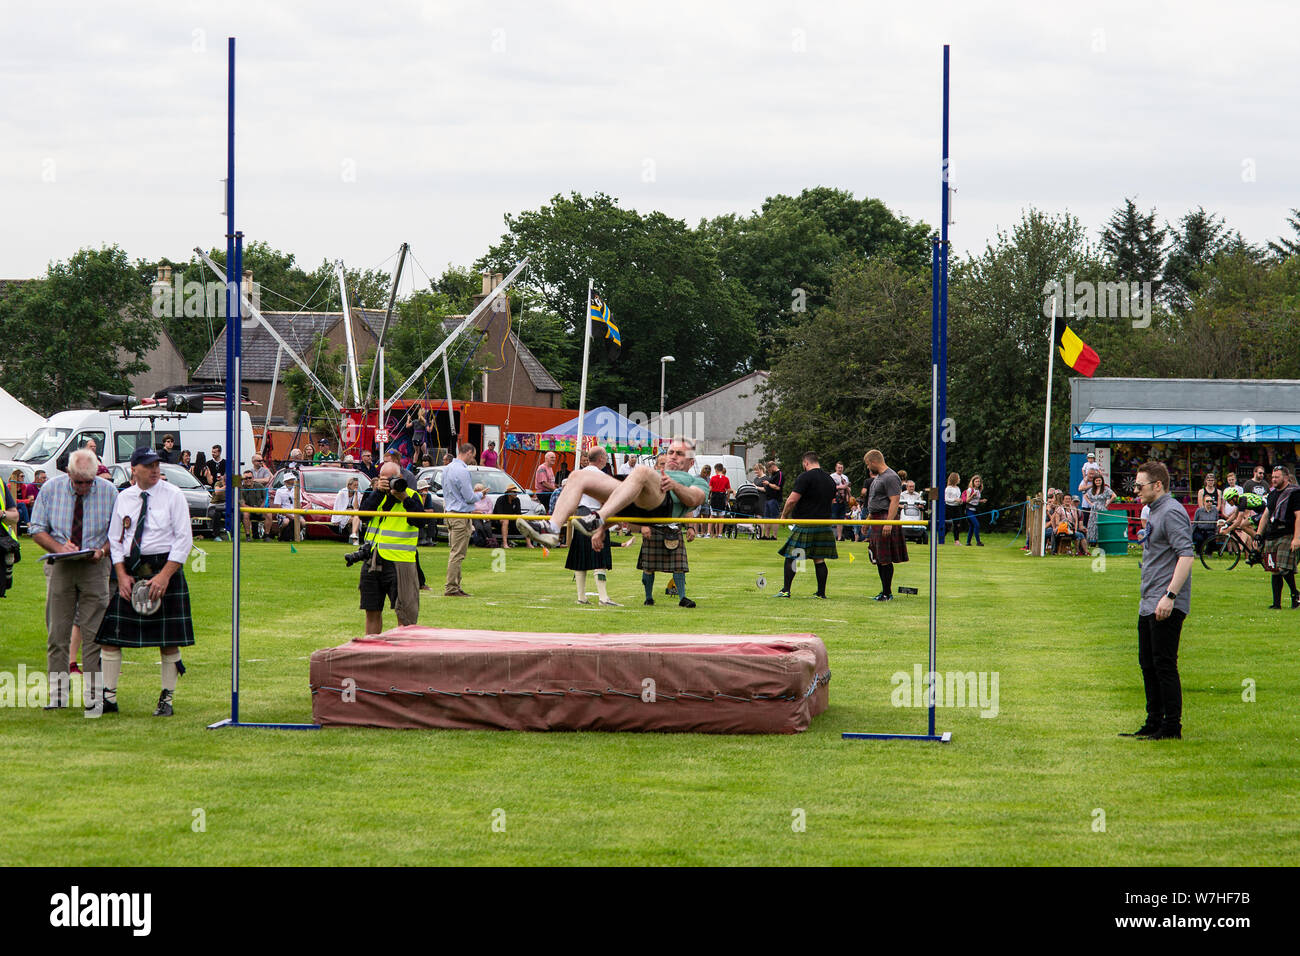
(1076,353)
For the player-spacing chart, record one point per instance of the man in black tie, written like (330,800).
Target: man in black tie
(150,540)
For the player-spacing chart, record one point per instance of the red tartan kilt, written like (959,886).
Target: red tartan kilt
(885,550)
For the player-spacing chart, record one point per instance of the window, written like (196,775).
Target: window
(126,442)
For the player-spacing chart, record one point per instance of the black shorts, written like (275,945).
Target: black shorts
(376,585)
(665,510)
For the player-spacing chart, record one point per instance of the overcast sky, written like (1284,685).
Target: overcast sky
(363,124)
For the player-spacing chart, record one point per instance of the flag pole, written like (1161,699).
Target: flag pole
(582,390)
(1047,428)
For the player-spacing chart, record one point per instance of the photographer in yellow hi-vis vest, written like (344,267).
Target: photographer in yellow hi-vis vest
(388,552)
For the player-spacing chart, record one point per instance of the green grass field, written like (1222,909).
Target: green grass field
(1028,786)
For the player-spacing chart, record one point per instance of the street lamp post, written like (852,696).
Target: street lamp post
(663,368)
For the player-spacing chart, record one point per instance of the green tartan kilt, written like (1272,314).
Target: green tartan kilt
(1284,559)
(170,626)
(655,557)
(810,542)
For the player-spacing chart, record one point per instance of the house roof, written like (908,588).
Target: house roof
(720,388)
(258,349)
(543,381)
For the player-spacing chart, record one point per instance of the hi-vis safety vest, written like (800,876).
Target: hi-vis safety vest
(393,536)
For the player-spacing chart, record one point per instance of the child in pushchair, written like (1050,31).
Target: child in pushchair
(749,502)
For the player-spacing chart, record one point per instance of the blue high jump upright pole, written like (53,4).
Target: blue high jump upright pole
(234,351)
(938,416)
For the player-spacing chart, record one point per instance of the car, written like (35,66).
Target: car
(197,496)
(497,482)
(320,487)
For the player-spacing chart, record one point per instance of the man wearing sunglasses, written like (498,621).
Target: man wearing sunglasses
(71,514)
(1166,595)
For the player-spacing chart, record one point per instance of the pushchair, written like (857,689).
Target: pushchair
(749,503)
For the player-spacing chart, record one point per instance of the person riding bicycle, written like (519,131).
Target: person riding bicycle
(1242,524)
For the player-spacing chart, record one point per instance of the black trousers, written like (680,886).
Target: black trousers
(1158,658)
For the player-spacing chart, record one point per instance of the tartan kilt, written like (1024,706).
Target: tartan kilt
(1284,559)
(882,550)
(810,542)
(171,626)
(582,556)
(655,557)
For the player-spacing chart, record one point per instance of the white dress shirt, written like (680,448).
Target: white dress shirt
(587,500)
(166,524)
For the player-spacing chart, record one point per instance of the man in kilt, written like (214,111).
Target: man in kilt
(582,557)
(149,537)
(885,543)
(1279,536)
(814,490)
(644,493)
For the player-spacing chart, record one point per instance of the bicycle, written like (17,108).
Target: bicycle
(1220,554)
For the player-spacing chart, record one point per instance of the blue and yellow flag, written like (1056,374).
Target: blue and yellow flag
(600,313)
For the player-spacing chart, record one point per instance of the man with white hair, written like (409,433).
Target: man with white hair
(71,515)
(644,493)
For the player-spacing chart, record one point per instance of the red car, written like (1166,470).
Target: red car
(320,487)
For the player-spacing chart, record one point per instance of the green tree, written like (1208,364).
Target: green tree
(1285,247)
(663,286)
(1194,242)
(998,349)
(85,327)
(828,394)
(786,254)
(1133,247)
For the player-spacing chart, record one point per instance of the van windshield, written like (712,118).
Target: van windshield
(43,446)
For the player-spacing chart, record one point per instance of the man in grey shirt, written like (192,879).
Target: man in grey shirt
(885,543)
(1166,599)
(458,496)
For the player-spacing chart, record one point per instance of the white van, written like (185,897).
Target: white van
(734,464)
(118,433)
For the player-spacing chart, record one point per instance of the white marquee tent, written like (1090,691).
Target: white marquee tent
(17,422)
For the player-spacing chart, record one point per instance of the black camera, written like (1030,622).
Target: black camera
(397,486)
(360,554)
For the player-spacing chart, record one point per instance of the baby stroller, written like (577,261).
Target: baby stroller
(749,502)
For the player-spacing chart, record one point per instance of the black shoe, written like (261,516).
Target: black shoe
(820,595)
(56,706)
(686,602)
(649,602)
(1146,730)
(1163,734)
(164,708)
(1295,601)
(882,596)
(589,524)
(1274,607)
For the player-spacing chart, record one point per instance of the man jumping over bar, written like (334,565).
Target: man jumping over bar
(645,493)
